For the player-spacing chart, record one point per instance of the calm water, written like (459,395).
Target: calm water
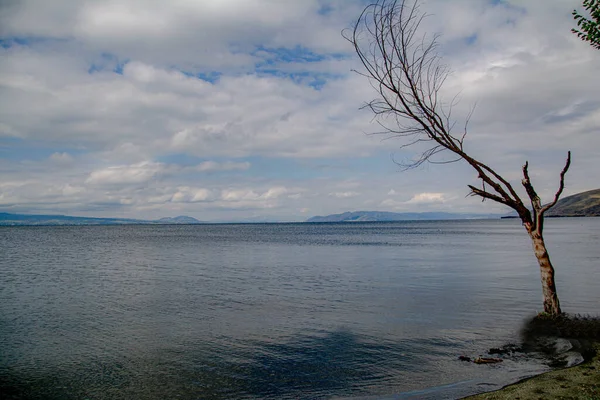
(278,311)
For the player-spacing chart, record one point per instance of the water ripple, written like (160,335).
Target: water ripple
(275,311)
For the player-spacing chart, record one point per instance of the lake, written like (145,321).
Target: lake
(277,311)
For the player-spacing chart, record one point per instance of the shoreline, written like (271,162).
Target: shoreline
(581,381)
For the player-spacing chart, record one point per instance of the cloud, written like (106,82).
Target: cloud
(225,109)
(225,166)
(68,190)
(427,198)
(61,158)
(146,171)
(162,110)
(274,193)
(220,35)
(344,195)
(125,174)
(238,195)
(228,197)
(191,195)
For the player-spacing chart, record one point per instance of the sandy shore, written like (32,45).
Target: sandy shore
(579,382)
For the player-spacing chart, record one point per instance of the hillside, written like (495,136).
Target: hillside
(7,219)
(585,204)
(36,219)
(182,219)
(374,216)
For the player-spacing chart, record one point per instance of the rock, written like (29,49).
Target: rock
(506,349)
(487,360)
(573,358)
(562,346)
(565,360)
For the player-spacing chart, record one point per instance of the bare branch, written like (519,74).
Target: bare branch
(405,70)
(561,185)
(486,195)
(536,203)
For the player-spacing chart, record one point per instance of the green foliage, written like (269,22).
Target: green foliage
(589,28)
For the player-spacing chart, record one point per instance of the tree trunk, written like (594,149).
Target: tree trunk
(551,303)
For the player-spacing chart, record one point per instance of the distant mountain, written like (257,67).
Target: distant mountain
(182,219)
(7,219)
(374,216)
(28,219)
(585,204)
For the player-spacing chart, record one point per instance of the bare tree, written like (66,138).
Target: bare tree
(406,71)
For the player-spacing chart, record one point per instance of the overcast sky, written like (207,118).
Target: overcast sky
(248,109)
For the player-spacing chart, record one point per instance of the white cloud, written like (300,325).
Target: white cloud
(69,190)
(427,198)
(61,158)
(225,166)
(239,195)
(236,195)
(197,34)
(125,174)
(344,195)
(275,192)
(191,195)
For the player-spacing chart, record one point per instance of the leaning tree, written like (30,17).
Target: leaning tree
(405,69)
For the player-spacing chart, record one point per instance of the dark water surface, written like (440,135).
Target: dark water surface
(277,311)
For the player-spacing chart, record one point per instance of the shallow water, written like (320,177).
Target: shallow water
(366,310)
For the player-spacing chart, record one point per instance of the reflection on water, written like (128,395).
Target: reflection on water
(338,364)
(275,311)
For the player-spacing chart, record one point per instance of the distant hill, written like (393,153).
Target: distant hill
(7,219)
(585,204)
(182,219)
(30,219)
(374,216)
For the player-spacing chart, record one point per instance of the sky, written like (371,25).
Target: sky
(250,110)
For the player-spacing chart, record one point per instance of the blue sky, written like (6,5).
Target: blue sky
(248,109)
